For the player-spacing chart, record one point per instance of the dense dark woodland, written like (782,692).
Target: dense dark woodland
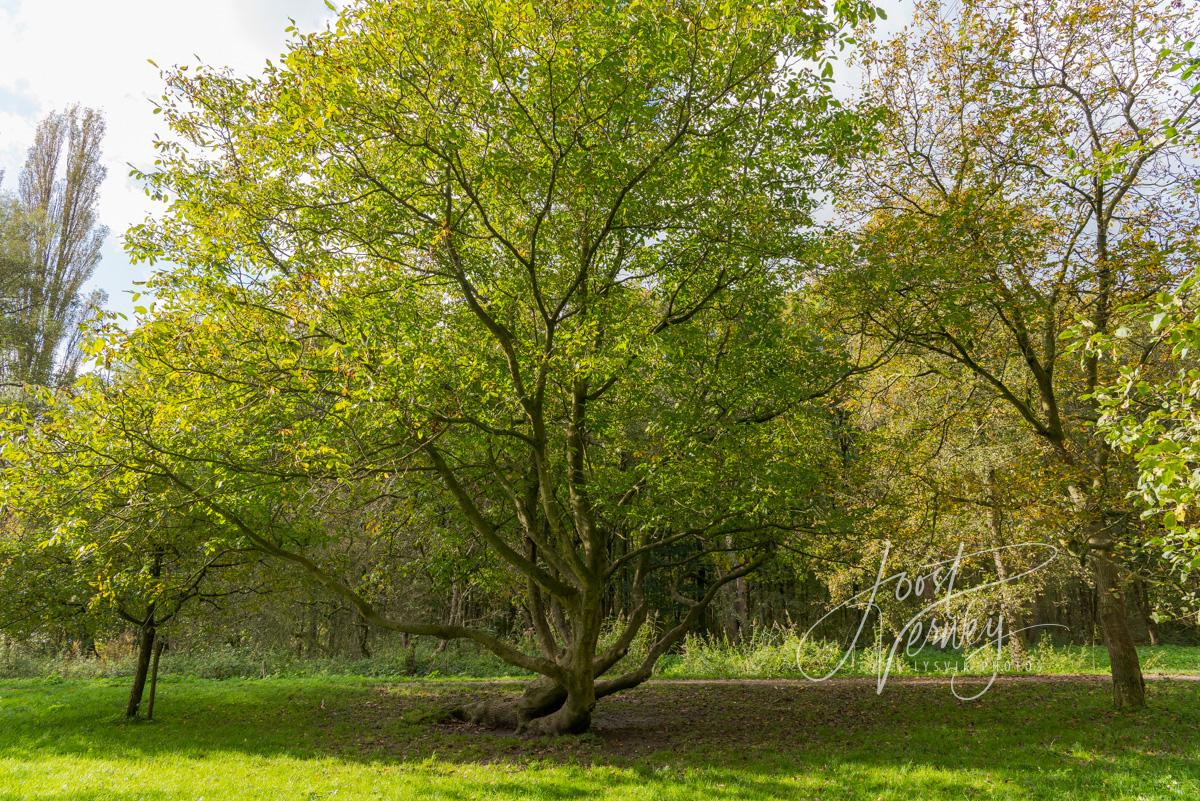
(561,331)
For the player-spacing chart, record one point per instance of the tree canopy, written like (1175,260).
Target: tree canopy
(540,264)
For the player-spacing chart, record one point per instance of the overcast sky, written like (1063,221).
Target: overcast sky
(95,52)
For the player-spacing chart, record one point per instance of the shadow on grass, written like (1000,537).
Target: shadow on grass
(1024,739)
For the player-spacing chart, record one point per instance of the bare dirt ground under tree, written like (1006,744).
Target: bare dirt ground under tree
(667,715)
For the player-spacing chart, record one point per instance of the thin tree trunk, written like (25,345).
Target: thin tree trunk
(1008,606)
(145,651)
(740,607)
(311,637)
(333,631)
(87,646)
(158,649)
(364,638)
(1142,600)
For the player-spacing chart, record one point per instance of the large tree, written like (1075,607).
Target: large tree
(50,240)
(538,264)
(1004,205)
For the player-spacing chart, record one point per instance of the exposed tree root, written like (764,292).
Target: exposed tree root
(541,698)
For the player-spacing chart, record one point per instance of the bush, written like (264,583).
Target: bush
(766,654)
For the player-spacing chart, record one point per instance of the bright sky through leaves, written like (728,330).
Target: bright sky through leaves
(57,52)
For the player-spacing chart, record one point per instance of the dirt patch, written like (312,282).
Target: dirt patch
(662,717)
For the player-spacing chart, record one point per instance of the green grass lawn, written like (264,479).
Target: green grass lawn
(340,739)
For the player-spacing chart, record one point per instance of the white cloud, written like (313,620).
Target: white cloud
(57,52)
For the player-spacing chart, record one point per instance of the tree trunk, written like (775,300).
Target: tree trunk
(1012,616)
(574,716)
(549,706)
(311,635)
(334,631)
(86,644)
(1129,689)
(364,638)
(158,649)
(1008,606)
(145,651)
(1142,600)
(739,616)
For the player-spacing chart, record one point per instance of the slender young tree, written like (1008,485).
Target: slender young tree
(106,548)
